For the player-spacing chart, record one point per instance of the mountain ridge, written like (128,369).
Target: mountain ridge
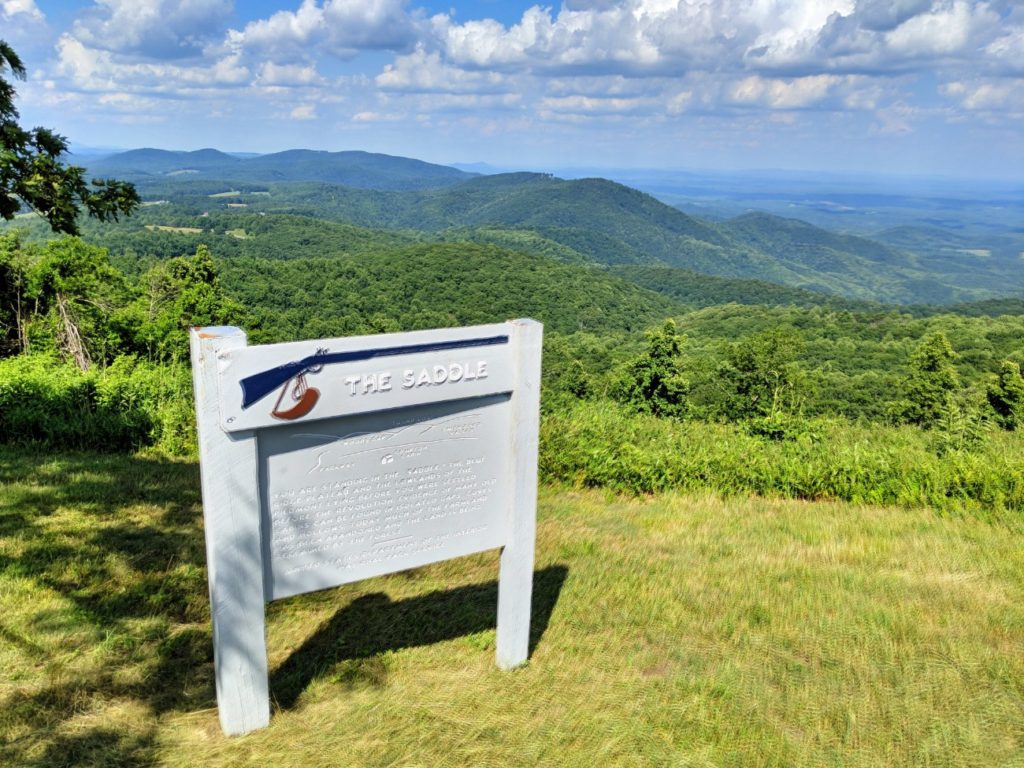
(602,220)
(354,168)
(613,224)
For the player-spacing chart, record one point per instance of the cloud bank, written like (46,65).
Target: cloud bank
(892,66)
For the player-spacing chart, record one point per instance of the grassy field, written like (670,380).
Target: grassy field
(668,631)
(180,230)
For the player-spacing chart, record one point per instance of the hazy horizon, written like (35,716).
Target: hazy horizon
(873,179)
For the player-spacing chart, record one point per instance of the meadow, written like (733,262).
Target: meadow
(676,629)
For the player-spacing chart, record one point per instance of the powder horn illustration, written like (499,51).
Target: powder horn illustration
(302,394)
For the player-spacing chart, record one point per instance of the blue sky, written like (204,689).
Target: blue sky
(930,87)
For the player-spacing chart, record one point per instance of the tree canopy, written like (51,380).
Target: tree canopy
(932,381)
(654,382)
(760,373)
(32,173)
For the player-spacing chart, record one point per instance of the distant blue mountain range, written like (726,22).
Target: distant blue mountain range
(362,170)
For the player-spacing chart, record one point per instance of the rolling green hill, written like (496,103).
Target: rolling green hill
(698,291)
(984,308)
(972,259)
(155,234)
(937,241)
(613,224)
(788,239)
(161,162)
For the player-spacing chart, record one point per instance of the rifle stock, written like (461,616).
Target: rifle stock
(259,385)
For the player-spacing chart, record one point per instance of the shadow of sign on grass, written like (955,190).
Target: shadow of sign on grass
(101,567)
(374,624)
(103,559)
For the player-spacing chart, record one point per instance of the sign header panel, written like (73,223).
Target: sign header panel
(304,381)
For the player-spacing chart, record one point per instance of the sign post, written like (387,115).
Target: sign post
(327,462)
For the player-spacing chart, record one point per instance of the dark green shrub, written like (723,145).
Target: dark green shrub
(761,376)
(129,405)
(932,381)
(1005,394)
(653,382)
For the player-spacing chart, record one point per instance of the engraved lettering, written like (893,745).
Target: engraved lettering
(371,490)
(441,374)
(308,519)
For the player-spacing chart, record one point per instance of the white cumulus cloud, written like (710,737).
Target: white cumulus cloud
(154,29)
(303,112)
(783,94)
(987,94)
(92,69)
(787,37)
(897,64)
(24,8)
(288,75)
(341,28)
(947,29)
(422,72)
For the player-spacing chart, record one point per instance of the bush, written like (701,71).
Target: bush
(1005,395)
(604,444)
(932,381)
(654,381)
(129,405)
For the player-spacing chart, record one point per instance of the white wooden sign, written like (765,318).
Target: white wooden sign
(326,462)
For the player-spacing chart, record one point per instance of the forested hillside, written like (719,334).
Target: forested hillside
(851,358)
(433,286)
(587,219)
(698,290)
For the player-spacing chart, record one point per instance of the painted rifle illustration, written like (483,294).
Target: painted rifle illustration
(291,377)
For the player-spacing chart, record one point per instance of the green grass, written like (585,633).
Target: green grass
(678,630)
